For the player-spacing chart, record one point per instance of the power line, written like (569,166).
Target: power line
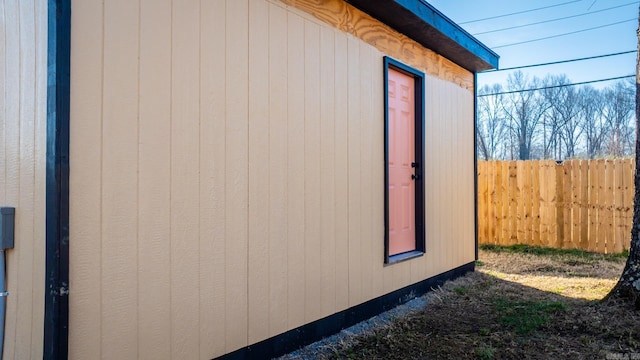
(562,61)
(556,86)
(519,12)
(563,34)
(552,20)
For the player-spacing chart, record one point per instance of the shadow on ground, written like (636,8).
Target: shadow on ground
(513,307)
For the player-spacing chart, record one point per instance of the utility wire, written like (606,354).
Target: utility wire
(563,34)
(519,12)
(556,86)
(561,61)
(552,20)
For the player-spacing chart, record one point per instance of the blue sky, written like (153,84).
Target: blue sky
(610,39)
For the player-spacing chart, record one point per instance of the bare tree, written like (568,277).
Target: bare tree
(617,111)
(594,127)
(562,120)
(523,111)
(491,128)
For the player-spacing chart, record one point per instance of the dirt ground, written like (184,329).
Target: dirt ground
(522,303)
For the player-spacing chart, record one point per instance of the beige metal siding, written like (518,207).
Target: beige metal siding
(23,74)
(227,182)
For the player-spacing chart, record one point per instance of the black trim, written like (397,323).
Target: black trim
(404,256)
(419,95)
(425,24)
(56,306)
(475,162)
(309,333)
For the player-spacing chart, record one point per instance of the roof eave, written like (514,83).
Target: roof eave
(426,25)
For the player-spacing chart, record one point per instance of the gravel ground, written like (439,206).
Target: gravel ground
(327,346)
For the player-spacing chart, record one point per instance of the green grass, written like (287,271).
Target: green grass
(547,251)
(525,317)
(460,290)
(485,352)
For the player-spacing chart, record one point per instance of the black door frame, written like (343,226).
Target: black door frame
(419,100)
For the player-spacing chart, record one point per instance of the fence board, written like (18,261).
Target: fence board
(575,203)
(559,202)
(498,202)
(491,215)
(544,201)
(505,203)
(602,207)
(629,187)
(609,207)
(584,204)
(483,205)
(567,197)
(618,215)
(527,200)
(592,206)
(520,201)
(513,204)
(535,204)
(552,197)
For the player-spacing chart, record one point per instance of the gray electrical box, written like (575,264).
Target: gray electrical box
(7,221)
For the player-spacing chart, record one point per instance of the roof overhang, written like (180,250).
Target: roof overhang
(423,23)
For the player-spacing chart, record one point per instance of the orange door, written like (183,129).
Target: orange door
(401,142)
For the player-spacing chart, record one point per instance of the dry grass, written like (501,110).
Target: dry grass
(518,305)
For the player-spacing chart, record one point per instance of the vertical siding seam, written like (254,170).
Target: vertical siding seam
(268,175)
(102,34)
(199,327)
(224,193)
(199,162)
(138,186)
(246,224)
(348,233)
(33,164)
(170,178)
(335,144)
(3,189)
(304,170)
(18,220)
(286,167)
(319,164)
(33,159)
(38,297)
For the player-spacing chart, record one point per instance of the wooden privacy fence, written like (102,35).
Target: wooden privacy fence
(578,204)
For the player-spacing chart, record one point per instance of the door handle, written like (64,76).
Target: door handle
(415,177)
